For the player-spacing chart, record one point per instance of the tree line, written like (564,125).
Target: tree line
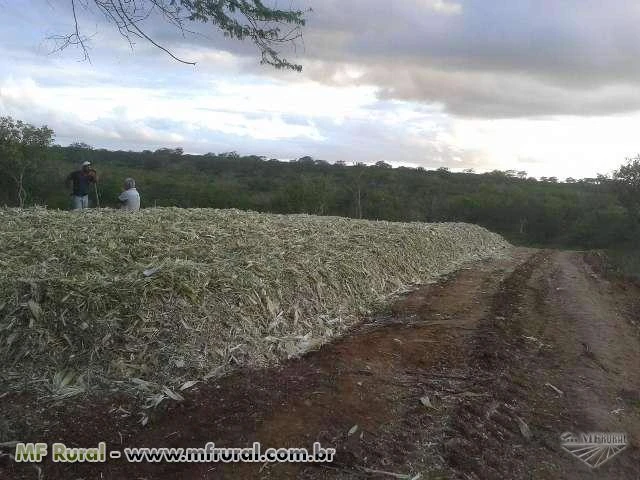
(586,213)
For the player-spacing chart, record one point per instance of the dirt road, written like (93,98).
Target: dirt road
(475,377)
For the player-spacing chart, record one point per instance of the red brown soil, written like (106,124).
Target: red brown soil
(481,345)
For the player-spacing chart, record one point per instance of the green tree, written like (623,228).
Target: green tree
(382,164)
(268,28)
(80,146)
(356,186)
(627,182)
(23,147)
(629,173)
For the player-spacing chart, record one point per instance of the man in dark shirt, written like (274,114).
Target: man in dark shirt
(81,181)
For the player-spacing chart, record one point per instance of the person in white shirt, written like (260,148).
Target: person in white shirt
(130,198)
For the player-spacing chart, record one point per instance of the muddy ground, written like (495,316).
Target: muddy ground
(475,377)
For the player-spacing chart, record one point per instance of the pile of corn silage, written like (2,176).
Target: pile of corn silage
(102,299)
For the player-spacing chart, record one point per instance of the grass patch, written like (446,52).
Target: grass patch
(621,262)
(625,262)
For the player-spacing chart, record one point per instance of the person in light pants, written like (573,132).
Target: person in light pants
(79,202)
(130,198)
(81,179)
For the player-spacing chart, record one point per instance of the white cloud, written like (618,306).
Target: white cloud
(555,146)
(442,6)
(334,123)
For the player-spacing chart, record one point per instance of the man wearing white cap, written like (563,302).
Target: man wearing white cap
(129,198)
(81,179)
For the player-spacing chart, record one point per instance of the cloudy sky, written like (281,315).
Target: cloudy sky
(547,86)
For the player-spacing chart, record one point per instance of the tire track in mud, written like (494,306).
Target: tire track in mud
(527,348)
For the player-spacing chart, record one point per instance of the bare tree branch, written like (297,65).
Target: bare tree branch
(72,39)
(150,40)
(77,34)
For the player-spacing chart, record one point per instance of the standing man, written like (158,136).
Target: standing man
(130,198)
(81,179)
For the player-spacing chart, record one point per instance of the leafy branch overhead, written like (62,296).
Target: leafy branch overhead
(268,28)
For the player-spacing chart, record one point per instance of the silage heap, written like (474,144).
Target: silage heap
(99,300)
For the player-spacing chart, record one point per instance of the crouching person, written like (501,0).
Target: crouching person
(130,198)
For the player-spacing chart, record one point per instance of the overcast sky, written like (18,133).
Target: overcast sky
(547,86)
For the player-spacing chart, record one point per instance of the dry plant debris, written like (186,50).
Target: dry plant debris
(153,301)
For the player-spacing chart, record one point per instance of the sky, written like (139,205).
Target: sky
(551,87)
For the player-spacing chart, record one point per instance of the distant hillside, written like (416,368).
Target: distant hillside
(584,213)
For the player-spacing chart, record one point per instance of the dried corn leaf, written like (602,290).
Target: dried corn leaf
(35,309)
(171,394)
(188,384)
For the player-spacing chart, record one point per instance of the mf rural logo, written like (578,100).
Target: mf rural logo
(595,448)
